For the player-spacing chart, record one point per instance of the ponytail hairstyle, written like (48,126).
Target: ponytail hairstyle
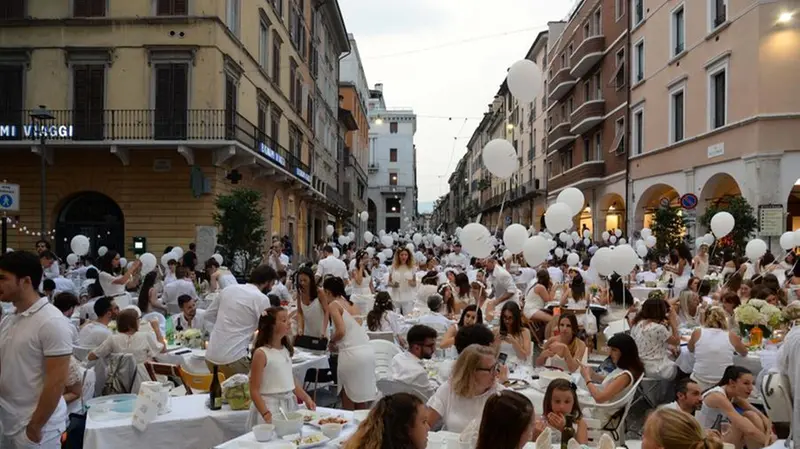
(388,424)
(266,328)
(383,303)
(678,430)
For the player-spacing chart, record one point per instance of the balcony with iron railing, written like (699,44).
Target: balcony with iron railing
(587,55)
(338,199)
(353,162)
(138,126)
(560,136)
(562,82)
(581,175)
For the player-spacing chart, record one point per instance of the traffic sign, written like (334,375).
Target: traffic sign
(508,219)
(689,201)
(9,197)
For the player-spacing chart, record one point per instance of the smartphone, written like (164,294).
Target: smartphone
(502,358)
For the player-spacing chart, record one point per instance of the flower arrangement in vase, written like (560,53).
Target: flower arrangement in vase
(190,338)
(758,312)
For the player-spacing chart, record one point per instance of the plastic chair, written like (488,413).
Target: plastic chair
(388,387)
(384,353)
(777,396)
(387,336)
(618,432)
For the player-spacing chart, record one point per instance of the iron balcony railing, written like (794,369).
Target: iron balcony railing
(149,124)
(337,198)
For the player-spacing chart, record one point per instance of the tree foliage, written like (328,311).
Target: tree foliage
(667,227)
(745,219)
(242,229)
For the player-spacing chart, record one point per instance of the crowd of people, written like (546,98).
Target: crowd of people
(479,319)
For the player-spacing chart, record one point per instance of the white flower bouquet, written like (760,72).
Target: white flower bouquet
(190,338)
(712,280)
(112,326)
(758,312)
(791,313)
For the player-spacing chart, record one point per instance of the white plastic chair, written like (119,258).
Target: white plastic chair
(386,336)
(625,402)
(81,353)
(777,397)
(384,353)
(388,387)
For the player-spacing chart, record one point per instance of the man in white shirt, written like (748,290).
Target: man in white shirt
(434,318)
(235,314)
(331,266)
(94,333)
(182,286)
(407,366)
(280,290)
(49,263)
(276,258)
(651,275)
(688,397)
(503,285)
(35,350)
(457,258)
(190,317)
(66,303)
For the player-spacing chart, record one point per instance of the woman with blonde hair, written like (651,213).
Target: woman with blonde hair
(398,421)
(690,310)
(673,429)
(402,280)
(713,346)
(461,399)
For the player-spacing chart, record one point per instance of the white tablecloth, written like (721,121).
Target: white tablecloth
(195,361)
(189,425)
(333,444)
(641,293)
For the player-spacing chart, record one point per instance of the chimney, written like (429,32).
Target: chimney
(379,87)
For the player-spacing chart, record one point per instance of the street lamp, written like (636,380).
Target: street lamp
(42,115)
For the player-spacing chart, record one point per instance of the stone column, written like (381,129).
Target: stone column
(690,217)
(762,185)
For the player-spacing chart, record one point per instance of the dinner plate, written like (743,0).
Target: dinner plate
(313,439)
(317,423)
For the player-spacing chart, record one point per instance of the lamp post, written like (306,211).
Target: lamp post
(39,117)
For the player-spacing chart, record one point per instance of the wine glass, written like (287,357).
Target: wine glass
(724,428)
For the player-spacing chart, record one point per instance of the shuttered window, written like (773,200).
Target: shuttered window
(88,97)
(89,8)
(172,101)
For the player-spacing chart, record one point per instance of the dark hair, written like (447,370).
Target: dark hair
(92,273)
(419,333)
(212,263)
(462,283)
(516,314)
(684,252)
(683,386)
(335,285)
(274,300)
(573,323)
(94,290)
(543,277)
(653,309)
(562,385)
(65,301)
(471,308)
(506,416)
(732,298)
(181,272)
(46,243)
(578,287)
(360,255)
(47,255)
(383,303)
(148,282)
(23,264)
(104,263)
(619,292)
(48,284)
(266,327)
(449,301)
(430,278)
(312,282)
(478,334)
(629,354)
(732,374)
(168,249)
(388,424)
(704,289)
(102,306)
(127,320)
(262,274)
(327,249)
(767,259)
(183,299)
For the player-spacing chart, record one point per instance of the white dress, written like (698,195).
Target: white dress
(713,352)
(361,295)
(314,319)
(682,282)
(533,302)
(403,296)
(277,386)
(115,291)
(356,371)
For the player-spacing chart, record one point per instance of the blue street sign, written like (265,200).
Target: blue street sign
(508,219)
(689,201)
(6,201)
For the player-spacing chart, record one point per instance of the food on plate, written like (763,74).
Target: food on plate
(333,420)
(311,439)
(307,418)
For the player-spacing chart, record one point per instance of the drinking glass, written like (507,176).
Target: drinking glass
(724,428)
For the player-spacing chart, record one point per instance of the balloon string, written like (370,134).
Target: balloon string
(500,217)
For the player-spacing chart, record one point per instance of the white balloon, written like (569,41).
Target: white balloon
(458,231)
(80,245)
(708,239)
(387,240)
(563,237)
(343,240)
(410,247)
(558,217)
(573,198)
(536,250)
(507,254)
(622,241)
(102,251)
(650,241)
(587,233)
(123,262)
(417,238)
(618,233)
(480,249)
(559,252)
(388,253)
(370,251)
(624,259)
(514,238)
(787,240)
(364,216)
(148,261)
(438,241)
(476,240)
(552,244)
(9,250)
(167,257)
(381,233)
(613,239)
(524,80)
(575,235)
(329,230)
(722,224)
(601,261)
(546,235)
(72,259)
(351,236)
(641,250)
(382,257)
(218,258)
(336,252)
(755,248)
(646,232)
(368,237)
(586,241)
(500,158)
(605,236)
(573,259)
(178,252)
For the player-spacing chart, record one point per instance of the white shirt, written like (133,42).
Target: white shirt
(283,259)
(87,310)
(53,271)
(199,321)
(458,260)
(64,285)
(435,320)
(647,276)
(235,314)
(25,340)
(109,288)
(281,291)
(457,411)
(407,369)
(93,334)
(503,283)
(142,345)
(178,288)
(333,267)
(789,366)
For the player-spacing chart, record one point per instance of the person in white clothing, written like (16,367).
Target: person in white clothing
(219,277)
(183,285)
(331,266)
(276,258)
(235,314)
(66,303)
(688,397)
(434,318)
(50,265)
(403,281)
(273,388)
(407,366)
(457,258)
(789,366)
(129,340)
(113,284)
(35,351)
(653,274)
(713,346)
(94,333)
(190,317)
(280,290)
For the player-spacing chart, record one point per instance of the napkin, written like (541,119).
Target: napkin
(158,393)
(144,412)
(573,444)
(543,442)
(606,442)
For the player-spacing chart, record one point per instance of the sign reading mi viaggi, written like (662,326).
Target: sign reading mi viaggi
(35,132)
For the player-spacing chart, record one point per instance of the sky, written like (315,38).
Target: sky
(446,59)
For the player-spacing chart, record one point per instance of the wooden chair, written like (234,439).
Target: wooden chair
(170,370)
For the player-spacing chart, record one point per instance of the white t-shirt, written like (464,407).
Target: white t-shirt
(406,368)
(333,267)
(93,335)
(457,411)
(25,340)
(109,288)
(236,313)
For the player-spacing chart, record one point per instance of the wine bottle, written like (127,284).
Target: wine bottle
(215,391)
(567,433)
